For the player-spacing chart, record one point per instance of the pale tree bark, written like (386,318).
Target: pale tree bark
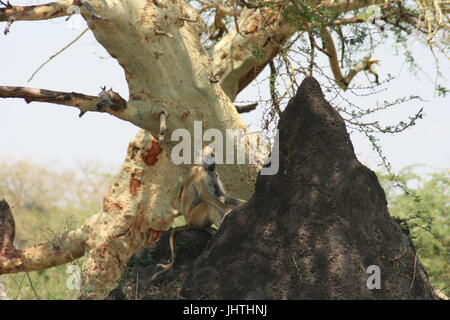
(265,31)
(167,71)
(157,43)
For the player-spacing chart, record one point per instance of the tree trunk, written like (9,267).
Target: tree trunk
(168,71)
(157,43)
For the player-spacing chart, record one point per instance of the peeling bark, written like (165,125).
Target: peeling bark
(167,70)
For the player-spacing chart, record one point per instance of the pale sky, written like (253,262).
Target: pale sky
(54,135)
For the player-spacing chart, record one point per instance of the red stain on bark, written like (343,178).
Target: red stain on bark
(117,206)
(150,155)
(109,205)
(154,236)
(135,183)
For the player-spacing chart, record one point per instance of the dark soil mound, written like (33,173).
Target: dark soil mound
(309,232)
(136,281)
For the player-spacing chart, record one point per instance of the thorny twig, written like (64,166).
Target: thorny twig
(8,26)
(57,53)
(94,15)
(162,127)
(32,287)
(7,4)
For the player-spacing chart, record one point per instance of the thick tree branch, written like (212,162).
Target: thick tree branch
(343,81)
(242,58)
(65,248)
(37,12)
(273,88)
(330,48)
(81,101)
(246,108)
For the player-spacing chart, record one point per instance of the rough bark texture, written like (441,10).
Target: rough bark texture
(167,70)
(309,232)
(63,249)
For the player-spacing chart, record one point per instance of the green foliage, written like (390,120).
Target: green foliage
(442,91)
(369,12)
(427,215)
(46,203)
(304,12)
(49,284)
(260,55)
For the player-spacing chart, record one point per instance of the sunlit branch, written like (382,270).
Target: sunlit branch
(36,12)
(81,101)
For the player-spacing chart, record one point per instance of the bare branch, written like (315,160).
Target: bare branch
(66,248)
(246,108)
(90,9)
(315,45)
(340,22)
(266,29)
(57,53)
(162,127)
(81,101)
(7,4)
(343,81)
(330,48)
(110,100)
(272,85)
(36,12)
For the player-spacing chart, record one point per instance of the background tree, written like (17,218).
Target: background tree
(426,215)
(42,210)
(187,61)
